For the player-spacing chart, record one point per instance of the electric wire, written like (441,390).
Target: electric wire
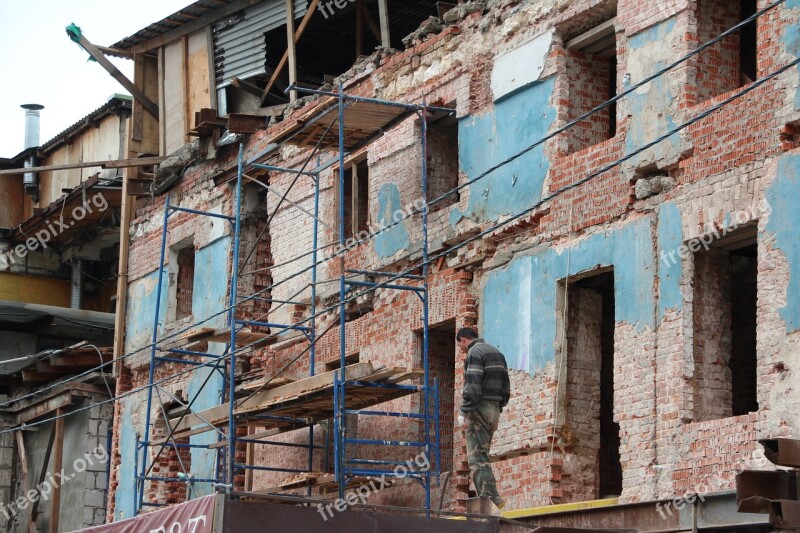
(755,85)
(225,310)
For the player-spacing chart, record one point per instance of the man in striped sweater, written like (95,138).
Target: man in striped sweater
(486,392)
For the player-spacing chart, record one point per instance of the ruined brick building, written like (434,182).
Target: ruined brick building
(638,265)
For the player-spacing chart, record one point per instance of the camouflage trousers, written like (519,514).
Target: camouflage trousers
(479,427)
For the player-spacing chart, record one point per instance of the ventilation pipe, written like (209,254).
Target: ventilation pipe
(30,180)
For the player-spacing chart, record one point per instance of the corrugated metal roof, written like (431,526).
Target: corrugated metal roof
(114,103)
(172,22)
(239,46)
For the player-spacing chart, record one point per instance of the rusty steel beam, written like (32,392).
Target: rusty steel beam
(782,452)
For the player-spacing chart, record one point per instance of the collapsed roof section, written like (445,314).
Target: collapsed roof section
(248,53)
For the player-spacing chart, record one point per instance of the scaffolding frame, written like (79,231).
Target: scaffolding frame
(345,469)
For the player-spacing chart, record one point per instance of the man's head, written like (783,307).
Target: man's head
(464,337)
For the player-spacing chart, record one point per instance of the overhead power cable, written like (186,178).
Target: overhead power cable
(386,228)
(478,236)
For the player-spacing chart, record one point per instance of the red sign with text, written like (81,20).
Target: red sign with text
(196,516)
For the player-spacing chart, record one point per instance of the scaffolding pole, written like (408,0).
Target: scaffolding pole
(345,468)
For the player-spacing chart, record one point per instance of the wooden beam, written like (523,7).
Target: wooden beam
(290,36)
(359,28)
(246,86)
(58,456)
(373,26)
(77,360)
(137,93)
(23,463)
(23,459)
(43,408)
(592,36)
(383,9)
(116,163)
(42,475)
(191,27)
(282,63)
(260,400)
(124,54)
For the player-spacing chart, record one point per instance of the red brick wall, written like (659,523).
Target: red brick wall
(588,84)
(727,160)
(718,66)
(712,336)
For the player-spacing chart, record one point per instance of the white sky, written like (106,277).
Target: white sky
(40,65)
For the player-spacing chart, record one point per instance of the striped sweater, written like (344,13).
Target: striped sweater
(485,376)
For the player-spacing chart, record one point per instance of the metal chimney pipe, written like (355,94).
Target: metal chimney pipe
(31,124)
(30,180)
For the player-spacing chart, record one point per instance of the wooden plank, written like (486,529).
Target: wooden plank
(187,110)
(40,409)
(258,435)
(115,163)
(292,51)
(23,462)
(383,10)
(148,104)
(78,360)
(261,400)
(253,385)
(58,455)
(373,26)
(34,376)
(312,7)
(592,36)
(42,475)
(359,28)
(23,458)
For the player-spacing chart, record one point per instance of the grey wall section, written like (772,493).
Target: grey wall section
(83,489)
(239,43)
(16,345)
(7,461)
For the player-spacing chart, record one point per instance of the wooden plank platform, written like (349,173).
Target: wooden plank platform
(197,339)
(362,121)
(308,400)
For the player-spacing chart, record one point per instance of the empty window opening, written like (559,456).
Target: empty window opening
(442,361)
(442,159)
(732,62)
(184,289)
(724,314)
(591,75)
(356,197)
(590,421)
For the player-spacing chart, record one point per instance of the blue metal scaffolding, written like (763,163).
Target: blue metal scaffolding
(346,469)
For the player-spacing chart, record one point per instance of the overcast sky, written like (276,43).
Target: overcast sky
(40,65)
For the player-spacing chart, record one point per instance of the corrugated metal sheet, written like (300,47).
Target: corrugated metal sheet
(239,44)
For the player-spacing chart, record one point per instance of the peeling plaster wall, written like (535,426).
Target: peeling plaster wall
(720,166)
(127,434)
(529,283)
(652,105)
(783,225)
(487,139)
